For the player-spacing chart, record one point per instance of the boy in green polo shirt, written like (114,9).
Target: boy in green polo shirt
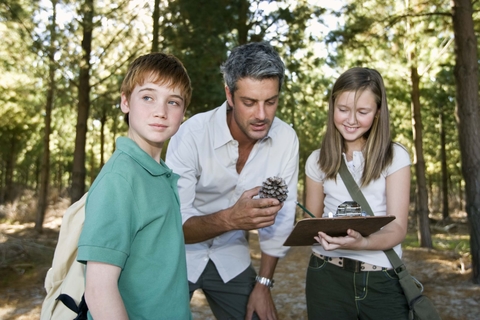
(132,240)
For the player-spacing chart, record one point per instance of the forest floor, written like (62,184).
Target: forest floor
(25,257)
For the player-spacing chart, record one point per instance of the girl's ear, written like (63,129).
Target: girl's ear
(124,104)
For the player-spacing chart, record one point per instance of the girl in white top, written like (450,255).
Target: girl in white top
(350,277)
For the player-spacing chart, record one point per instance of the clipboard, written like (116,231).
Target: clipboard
(305,229)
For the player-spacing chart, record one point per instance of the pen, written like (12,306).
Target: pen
(304,209)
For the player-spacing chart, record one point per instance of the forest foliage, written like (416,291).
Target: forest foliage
(43,50)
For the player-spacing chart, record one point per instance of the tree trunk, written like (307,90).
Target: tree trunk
(243,22)
(59,175)
(2,181)
(45,166)
(103,122)
(92,162)
(78,171)
(424,235)
(9,168)
(156,25)
(460,196)
(468,119)
(443,159)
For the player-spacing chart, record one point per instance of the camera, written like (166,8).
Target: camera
(349,209)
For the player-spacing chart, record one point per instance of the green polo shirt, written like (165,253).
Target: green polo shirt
(133,221)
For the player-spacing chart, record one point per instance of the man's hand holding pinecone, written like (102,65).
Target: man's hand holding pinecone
(249,213)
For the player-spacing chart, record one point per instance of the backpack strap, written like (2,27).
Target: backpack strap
(82,308)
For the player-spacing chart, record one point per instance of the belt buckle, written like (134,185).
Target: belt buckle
(352,265)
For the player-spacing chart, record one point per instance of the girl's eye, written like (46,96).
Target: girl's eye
(364,112)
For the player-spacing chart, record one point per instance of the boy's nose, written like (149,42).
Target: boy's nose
(160,111)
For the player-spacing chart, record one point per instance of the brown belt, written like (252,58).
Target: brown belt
(350,264)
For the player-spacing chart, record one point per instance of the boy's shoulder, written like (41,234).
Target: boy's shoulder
(121,168)
(120,163)
(128,156)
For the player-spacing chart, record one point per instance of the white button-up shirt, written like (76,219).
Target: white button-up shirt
(204,154)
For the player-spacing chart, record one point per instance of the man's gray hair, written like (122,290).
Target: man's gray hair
(256,60)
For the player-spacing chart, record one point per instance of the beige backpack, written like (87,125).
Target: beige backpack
(65,280)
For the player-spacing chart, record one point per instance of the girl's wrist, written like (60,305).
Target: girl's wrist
(366,242)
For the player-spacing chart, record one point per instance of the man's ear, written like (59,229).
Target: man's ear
(124,104)
(229,96)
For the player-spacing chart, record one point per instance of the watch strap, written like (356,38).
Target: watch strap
(265,281)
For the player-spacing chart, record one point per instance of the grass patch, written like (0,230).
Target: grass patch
(459,243)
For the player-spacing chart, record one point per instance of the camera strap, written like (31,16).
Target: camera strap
(358,196)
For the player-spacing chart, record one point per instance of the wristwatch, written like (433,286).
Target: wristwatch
(265,281)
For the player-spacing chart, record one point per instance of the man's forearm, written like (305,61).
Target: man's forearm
(201,228)
(246,214)
(267,266)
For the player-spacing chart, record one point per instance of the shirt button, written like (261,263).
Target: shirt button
(169,175)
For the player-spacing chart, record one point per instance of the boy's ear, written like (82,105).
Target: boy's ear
(124,104)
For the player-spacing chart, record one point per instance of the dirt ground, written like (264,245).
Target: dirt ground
(26,256)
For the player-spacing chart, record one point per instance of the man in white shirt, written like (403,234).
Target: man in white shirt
(222,157)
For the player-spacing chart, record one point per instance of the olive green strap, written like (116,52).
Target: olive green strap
(354,189)
(358,196)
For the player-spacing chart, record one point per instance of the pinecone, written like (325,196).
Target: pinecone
(274,187)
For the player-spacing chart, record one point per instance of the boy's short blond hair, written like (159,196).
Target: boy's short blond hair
(160,68)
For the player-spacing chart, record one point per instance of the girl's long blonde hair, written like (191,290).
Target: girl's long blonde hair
(378,151)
